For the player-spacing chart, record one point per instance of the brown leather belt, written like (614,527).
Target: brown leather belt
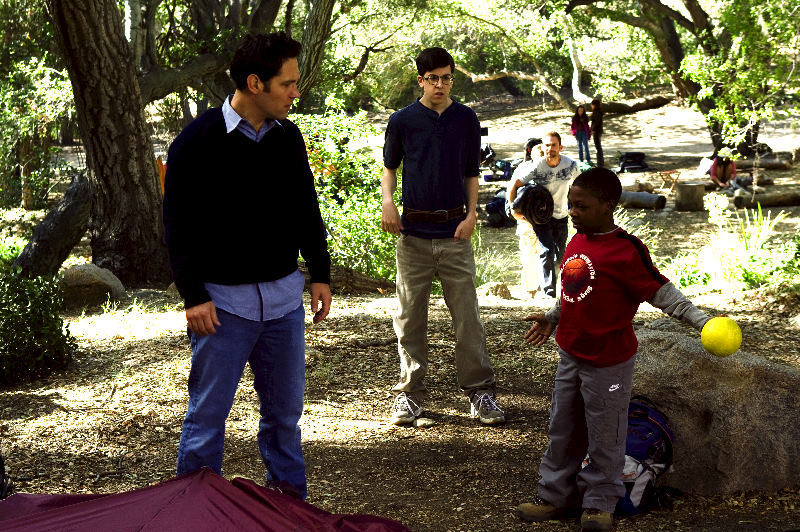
(436,217)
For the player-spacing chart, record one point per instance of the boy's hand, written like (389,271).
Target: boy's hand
(466,227)
(540,331)
(390,218)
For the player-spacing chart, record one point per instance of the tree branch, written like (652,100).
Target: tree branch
(158,83)
(540,76)
(263,15)
(362,64)
(668,12)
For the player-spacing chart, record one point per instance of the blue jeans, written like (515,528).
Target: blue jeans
(583,145)
(275,350)
(552,238)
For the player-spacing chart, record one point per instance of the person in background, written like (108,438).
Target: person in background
(528,244)
(723,170)
(555,172)
(597,129)
(581,130)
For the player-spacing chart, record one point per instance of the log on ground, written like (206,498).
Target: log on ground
(348,281)
(773,199)
(642,200)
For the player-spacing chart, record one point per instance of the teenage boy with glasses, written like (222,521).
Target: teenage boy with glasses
(438,142)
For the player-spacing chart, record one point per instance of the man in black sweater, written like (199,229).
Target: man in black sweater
(239,205)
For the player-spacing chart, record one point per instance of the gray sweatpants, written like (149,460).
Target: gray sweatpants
(589,412)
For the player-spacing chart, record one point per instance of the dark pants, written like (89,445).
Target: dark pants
(598,147)
(552,238)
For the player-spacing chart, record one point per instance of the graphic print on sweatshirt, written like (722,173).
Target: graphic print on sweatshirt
(577,278)
(543,174)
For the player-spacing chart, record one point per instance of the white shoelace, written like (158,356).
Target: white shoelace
(488,401)
(403,403)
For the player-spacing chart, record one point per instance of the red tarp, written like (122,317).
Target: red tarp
(195,502)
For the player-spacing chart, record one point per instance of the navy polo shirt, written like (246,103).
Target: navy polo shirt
(437,152)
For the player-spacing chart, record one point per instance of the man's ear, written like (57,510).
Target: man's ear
(254,84)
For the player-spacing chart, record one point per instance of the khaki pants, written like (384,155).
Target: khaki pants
(418,261)
(529,257)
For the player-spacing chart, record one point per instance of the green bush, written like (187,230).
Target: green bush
(741,252)
(356,240)
(348,184)
(10,247)
(33,338)
(33,100)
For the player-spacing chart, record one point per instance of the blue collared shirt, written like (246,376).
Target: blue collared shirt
(256,301)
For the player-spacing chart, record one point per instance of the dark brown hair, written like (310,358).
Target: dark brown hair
(262,54)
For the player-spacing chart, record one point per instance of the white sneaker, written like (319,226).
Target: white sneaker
(405,410)
(484,407)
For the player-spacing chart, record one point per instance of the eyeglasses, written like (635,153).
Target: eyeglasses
(433,79)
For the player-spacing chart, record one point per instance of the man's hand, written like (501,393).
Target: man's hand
(320,292)
(390,218)
(517,215)
(540,331)
(202,318)
(465,228)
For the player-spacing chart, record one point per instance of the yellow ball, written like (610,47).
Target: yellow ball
(721,336)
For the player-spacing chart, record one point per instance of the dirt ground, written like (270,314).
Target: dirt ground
(112,421)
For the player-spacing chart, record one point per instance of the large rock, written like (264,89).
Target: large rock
(87,285)
(735,418)
(496,289)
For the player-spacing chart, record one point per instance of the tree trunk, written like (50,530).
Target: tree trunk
(510,88)
(577,74)
(133,29)
(689,196)
(125,227)
(316,31)
(59,232)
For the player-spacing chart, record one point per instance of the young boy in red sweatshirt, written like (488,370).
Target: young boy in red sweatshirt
(606,273)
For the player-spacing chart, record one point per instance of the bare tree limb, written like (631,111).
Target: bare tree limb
(362,64)
(540,73)
(157,84)
(577,71)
